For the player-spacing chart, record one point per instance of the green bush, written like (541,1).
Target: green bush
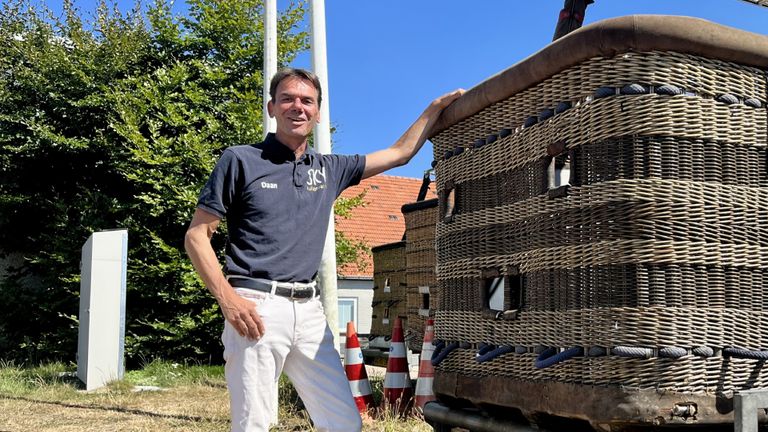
(116,123)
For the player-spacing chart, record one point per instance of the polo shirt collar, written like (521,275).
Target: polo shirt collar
(276,150)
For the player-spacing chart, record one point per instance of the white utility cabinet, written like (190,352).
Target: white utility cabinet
(101,335)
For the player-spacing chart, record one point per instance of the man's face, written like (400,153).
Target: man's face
(294,108)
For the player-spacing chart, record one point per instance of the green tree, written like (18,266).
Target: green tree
(349,250)
(203,94)
(117,123)
(57,180)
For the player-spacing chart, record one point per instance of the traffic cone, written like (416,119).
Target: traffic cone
(424,391)
(397,381)
(355,368)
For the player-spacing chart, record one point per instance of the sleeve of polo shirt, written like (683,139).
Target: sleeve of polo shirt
(345,170)
(222,186)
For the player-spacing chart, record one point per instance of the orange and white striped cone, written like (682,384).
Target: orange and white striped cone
(397,381)
(424,391)
(355,369)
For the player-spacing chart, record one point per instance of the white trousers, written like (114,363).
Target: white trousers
(296,341)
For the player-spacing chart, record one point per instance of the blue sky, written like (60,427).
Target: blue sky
(388,59)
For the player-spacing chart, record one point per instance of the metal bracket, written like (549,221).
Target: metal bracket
(746,403)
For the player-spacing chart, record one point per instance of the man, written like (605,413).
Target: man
(277,197)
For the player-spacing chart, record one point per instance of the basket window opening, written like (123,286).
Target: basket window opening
(560,171)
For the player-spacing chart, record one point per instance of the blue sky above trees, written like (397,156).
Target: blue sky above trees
(387,60)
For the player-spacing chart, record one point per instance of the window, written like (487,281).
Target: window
(386,285)
(496,294)
(560,171)
(448,202)
(424,293)
(347,312)
(502,296)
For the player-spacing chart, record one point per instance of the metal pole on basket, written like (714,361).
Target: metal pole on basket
(758,2)
(571,17)
(322,140)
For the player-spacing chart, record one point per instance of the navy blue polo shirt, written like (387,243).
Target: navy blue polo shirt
(277,207)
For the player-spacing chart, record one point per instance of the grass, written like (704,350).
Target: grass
(193,398)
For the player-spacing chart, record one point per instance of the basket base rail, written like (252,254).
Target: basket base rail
(604,407)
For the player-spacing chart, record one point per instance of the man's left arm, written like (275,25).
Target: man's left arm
(411,141)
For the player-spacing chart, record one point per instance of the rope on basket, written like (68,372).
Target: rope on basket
(550,356)
(632,352)
(672,352)
(492,354)
(439,345)
(596,351)
(745,353)
(703,351)
(439,355)
(483,348)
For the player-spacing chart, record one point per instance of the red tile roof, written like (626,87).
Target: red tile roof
(380,220)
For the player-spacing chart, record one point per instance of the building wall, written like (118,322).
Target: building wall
(362,290)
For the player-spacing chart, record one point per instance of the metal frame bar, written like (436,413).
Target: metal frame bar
(746,403)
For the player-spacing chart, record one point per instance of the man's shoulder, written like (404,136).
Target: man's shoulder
(244,152)
(240,149)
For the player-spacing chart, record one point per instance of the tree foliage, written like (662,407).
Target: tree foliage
(349,250)
(116,123)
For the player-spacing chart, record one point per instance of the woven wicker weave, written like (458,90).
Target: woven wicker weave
(389,285)
(420,223)
(657,243)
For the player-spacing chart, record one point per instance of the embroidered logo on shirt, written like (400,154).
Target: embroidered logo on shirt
(316,179)
(266,185)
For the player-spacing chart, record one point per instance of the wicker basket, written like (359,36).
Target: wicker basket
(420,222)
(389,288)
(604,227)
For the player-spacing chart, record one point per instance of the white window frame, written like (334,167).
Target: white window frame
(355,312)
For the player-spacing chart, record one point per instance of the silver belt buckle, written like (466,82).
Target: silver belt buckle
(293,289)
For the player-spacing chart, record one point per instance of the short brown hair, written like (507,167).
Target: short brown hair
(295,73)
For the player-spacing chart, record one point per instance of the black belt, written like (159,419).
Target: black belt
(282,290)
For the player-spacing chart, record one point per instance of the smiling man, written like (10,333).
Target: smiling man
(277,197)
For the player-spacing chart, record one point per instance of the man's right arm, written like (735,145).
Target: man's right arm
(411,141)
(240,313)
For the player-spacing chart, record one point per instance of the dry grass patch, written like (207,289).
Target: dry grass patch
(114,414)
(49,399)
(193,398)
